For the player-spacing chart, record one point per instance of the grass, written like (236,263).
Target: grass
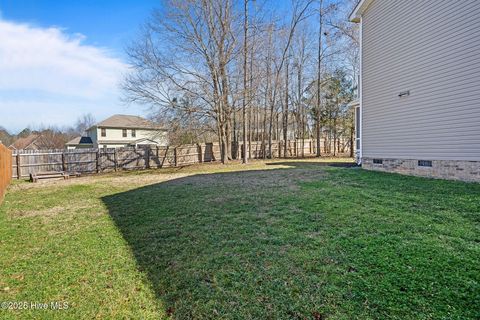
(273,240)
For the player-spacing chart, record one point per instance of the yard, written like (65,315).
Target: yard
(273,240)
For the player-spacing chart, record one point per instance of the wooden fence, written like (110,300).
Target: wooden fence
(5,169)
(102,160)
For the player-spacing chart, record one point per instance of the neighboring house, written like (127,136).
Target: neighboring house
(32,142)
(419,106)
(121,131)
(80,143)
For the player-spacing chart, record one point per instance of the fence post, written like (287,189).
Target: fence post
(64,165)
(175,156)
(199,150)
(295,147)
(18,166)
(98,160)
(115,163)
(147,161)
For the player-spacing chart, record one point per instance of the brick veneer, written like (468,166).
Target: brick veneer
(444,169)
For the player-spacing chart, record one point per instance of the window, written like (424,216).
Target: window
(424,163)
(124,133)
(134,133)
(377,161)
(104,132)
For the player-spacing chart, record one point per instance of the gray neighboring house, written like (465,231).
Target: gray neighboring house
(80,143)
(121,131)
(419,104)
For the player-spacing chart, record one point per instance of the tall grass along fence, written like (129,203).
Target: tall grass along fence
(5,169)
(80,161)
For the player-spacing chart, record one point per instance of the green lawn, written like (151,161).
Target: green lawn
(273,240)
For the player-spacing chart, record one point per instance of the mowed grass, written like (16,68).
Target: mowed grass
(271,240)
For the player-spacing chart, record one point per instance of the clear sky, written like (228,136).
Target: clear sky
(62,58)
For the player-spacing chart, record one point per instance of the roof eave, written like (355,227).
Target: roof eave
(131,127)
(358,11)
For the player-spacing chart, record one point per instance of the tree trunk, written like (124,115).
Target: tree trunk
(285,114)
(352,128)
(319,77)
(244,111)
(334,135)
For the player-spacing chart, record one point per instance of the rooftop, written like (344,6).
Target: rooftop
(22,143)
(80,140)
(128,121)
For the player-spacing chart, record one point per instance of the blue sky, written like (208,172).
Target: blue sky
(60,59)
(109,23)
(63,58)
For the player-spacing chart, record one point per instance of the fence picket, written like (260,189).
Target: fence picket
(6,168)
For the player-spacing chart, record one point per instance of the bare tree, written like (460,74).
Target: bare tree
(300,12)
(185,51)
(243,72)
(84,122)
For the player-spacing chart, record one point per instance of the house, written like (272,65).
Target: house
(419,101)
(80,143)
(33,141)
(121,131)
(25,143)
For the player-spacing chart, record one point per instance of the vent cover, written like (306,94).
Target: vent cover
(377,161)
(424,163)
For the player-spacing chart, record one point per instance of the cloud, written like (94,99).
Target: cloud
(51,66)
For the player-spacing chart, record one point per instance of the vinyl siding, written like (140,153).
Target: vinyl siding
(116,134)
(432,49)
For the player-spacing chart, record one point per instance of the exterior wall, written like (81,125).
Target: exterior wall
(78,146)
(116,134)
(445,169)
(114,137)
(92,133)
(32,146)
(430,48)
(112,145)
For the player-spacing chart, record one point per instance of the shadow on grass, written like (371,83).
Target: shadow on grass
(287,243)
(336,164)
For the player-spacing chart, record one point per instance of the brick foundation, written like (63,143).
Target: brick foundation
(443,169)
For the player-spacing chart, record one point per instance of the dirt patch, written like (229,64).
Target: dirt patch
(53,211)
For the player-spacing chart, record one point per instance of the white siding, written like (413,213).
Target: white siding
(432,49)
(116,134)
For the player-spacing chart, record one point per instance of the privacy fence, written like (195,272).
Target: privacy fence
(81,161)
(5,169)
